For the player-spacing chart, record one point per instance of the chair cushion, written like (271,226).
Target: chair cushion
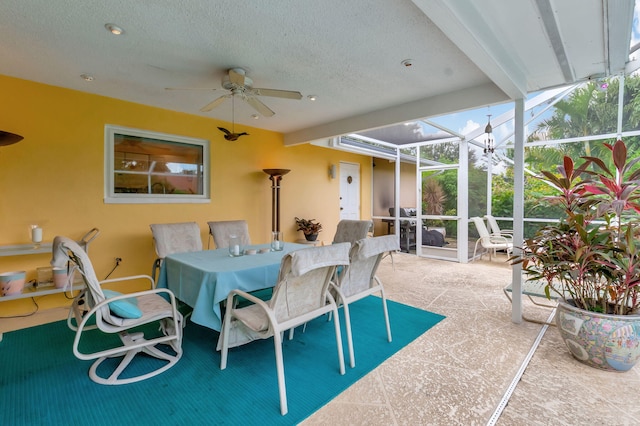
(124,308)
(254,317)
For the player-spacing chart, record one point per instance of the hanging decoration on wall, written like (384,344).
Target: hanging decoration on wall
(349,179)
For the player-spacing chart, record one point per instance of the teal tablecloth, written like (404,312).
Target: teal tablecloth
(203,279)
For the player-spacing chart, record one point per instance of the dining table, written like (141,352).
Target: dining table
(203,279)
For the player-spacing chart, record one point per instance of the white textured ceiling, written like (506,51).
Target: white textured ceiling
(465,53)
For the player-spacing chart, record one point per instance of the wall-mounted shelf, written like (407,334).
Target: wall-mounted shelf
(30,291)
(22,249)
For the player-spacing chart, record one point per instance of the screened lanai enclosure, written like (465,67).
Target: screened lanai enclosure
(429,179)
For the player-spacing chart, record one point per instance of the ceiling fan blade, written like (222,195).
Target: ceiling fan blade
(236,78)
(214,104)
(259,106)
(190,88)
(288,94)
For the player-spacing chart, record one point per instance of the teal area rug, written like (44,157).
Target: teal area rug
(42,383)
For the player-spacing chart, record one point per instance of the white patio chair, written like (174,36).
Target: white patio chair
(221,231)
(169,238)
(116,313)
(491,243)
(359,279)
(301,294)
(347,231)
(350,231)
(495,228)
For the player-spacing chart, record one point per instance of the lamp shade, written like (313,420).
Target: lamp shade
(7,138)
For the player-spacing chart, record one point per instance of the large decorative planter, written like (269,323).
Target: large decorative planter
(607,342)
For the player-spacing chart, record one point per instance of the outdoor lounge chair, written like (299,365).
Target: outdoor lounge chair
(491,243)
(301,294)
(534,290)
(116,313)
(495,228)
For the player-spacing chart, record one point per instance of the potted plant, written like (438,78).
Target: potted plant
(590,259)
(309,228)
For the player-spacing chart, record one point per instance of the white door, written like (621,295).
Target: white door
(349,191)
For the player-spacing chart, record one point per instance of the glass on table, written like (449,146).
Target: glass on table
(235,246)
(277,244)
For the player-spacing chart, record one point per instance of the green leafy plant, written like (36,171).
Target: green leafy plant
(308,226)
(590,257)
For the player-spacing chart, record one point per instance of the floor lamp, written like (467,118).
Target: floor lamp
(275,176)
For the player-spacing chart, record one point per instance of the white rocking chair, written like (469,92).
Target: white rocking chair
(118,313)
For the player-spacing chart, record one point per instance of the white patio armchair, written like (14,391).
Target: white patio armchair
(350,231)
(169,238)
(359,279)
(116,313)
(301,294)
(222,230)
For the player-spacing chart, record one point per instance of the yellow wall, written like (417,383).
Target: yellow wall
(55,178)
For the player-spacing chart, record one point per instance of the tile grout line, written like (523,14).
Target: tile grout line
(512,387)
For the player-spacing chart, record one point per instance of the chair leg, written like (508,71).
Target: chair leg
(347,326)
(339,340)
(226,329)
(282,389)
(475,249)
(291,330)
(128,355)
(386,314)
(156,267)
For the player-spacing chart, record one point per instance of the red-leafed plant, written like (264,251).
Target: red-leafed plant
(308,226)
(591,256)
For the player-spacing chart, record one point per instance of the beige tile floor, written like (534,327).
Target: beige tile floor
(458,372)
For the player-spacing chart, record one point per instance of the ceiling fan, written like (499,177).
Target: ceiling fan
(239,85)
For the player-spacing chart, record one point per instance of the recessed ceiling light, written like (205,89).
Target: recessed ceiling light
(312,97)
(255,116)
(87,77)
(407,62)
(114,29)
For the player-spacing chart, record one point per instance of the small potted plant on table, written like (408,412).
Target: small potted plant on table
(309,228)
